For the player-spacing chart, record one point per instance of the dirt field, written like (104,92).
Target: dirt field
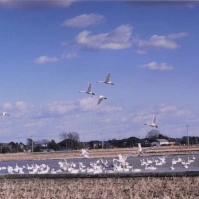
(138,188)
(100,153)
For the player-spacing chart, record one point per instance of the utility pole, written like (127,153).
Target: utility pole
(102,139)
(187,134)
(32,143)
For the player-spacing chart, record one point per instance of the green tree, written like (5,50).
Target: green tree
(53,145)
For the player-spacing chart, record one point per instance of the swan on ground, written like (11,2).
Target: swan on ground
(190,160)
(153,123)
(172,168)
(5,114)
(186,166)
(179,159)
(174,161)
(158,163)
(162,159)
(100,98)
(136,170)
(108,80)
(89,91)
(122,158)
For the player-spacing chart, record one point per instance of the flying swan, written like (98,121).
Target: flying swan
(108,80)
(4,114)
(89,91)
(153,123)
(100,98)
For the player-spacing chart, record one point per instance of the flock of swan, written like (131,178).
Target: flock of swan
(119,164)
(100,97)
(102,165)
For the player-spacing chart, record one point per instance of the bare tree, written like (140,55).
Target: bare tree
(152,135)
(69,135)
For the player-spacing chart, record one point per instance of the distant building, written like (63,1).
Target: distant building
(160,142)
(95,144)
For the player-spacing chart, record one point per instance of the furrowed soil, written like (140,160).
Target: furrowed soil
(138,188)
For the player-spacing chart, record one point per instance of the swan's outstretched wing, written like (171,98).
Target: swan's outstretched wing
(5,114)
(124,157)
(154,119)
(89,88)
(108,78)
(100,100)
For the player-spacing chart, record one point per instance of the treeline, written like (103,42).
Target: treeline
(70,141)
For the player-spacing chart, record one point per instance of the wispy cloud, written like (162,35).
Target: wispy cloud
(120,38)
(84,20)
(157,66)
(164,3)
(35,4)
(45,59)
(160,42)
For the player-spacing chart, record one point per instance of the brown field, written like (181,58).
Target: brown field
(139,187)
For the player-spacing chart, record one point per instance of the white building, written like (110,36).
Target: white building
(160,142)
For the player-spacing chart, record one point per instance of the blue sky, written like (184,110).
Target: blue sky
(50,50)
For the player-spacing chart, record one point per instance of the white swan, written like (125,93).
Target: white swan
(108,80)
(140,149)
(89,91)
(100,98)
(172,168)
(5,114)
(153,123)
(85,154)
(122,158)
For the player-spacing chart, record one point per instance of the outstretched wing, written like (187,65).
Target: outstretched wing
(108,78)
(124,157)
(139,147)
(100,100)
(89,88)
(154,119)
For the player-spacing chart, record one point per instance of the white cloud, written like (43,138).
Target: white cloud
(157,66)
(167,108)
(84,20)
(141,52)
(7,106)
(46,59)
(35,4)
(161,42)
(55,109)
(21,105)
(120,38)
(67,56)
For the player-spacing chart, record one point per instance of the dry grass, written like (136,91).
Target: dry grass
(138,188)
(99,153)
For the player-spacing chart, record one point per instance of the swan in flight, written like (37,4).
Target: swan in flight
(108,80)
(100,98)
(89,91)
(122,158)
(84,153)
(5,114)
(141,151)
(153,123)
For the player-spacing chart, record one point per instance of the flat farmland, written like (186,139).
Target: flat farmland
(111,187)
(94,153)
